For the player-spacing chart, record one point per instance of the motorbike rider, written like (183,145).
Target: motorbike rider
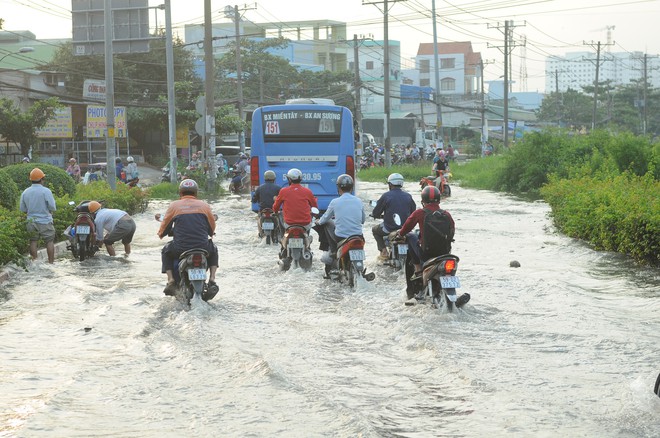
(266,193)
(132,173)
(119,225)
(430,202)
(392,203)
(74,170)
(192,225)
(440,163)
(343,218)
(296,201)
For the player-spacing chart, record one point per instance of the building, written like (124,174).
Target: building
(578,69)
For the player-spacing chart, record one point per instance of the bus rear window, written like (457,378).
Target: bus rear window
(301,126)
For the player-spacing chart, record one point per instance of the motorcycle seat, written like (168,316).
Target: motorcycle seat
(190,251)
(349,238)
(438,259)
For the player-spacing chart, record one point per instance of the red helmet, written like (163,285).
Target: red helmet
(431,195)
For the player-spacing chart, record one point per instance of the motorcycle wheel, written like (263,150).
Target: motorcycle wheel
(268,238)
(438,297)
(81,248)
(447,191)
(351,275)
(285,264)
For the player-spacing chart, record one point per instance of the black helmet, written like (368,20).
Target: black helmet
(345,182)
(430,195)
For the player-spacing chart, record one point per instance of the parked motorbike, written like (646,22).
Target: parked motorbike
(82,233)
(441,182)
(165,176)
(190,272)
(439,283)
(270,226)
(349,263)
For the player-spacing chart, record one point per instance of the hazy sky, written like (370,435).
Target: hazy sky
(550,27)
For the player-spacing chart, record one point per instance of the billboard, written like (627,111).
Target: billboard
(60,126)
(96,122)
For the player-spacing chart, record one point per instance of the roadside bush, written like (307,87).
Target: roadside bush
(620,213)
(410,172)
(167,191)
(131,200)
(9,193)
(57,180)
(13,237)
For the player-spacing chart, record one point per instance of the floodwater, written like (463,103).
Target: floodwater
(566,345)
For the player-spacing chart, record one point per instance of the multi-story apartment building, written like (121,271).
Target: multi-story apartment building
(578,69)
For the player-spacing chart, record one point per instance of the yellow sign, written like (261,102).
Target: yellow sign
(60,126)
(96,122)
(182,138)
(111,132)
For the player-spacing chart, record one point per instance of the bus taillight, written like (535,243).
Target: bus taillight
(350,166)
(254,172)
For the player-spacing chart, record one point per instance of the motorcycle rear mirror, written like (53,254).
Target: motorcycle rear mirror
(215,216)
(315,210)
(72,203)
(397,219)
(373,203)
(158,217)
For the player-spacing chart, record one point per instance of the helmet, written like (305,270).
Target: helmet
(243,156)
(72,160)
(345,182)
(219,156)
(269,175)
(188,186)
(93,206)
(294,175)
(431,195)
(26,160)
(37,175)
(395,179)
(129,159)
(118,160)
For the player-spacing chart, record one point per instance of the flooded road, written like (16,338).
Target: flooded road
(566,345)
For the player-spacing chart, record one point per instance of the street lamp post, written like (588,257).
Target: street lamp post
(21,50)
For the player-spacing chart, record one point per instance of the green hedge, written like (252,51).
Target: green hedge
(9,193)
(13,237)
(620,213)
(131,200)
(57,180)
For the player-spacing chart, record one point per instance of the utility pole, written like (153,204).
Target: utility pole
(386,74)
(438,101)
(357,85)
(484,130)
(557,97)
(209,135)
(110,142)
(171,117)
(644,93)
(421,111)
(598,63)
(508,48)
(235,15)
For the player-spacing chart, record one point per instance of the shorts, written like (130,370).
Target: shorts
(43,231)
(124,230)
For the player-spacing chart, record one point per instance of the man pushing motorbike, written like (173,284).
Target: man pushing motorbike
(192,224)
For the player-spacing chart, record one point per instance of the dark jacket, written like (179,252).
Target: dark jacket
(394,201)
(265,195)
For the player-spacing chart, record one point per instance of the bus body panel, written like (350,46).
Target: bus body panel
(294,142)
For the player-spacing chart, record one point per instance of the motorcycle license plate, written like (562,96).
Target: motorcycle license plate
(82,229)
(296,243)
(450,282)
(196,274)
(356,254)
(402,249)
(268,226)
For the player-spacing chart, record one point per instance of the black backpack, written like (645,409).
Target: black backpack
(437,234)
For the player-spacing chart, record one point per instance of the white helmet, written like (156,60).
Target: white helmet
(129,159)
(396,179)
(294,175)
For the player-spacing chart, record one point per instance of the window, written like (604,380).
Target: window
(448,84)
(424,82)
(447,63)
(424,65)
(370,65)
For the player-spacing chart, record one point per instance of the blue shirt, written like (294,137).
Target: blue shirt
(348,213)
(265,194)
(393,202)
(38,202)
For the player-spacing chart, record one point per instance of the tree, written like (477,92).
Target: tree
(570,109)
(21,127)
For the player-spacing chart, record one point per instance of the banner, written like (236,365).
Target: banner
(60,126)
(96,122)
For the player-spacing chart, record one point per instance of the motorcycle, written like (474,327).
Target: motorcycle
(397,251)
(441,182)
(439,284)
(296,243)
(270,227)
(349,263)
(189,272)
(165,176)
(82,233)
